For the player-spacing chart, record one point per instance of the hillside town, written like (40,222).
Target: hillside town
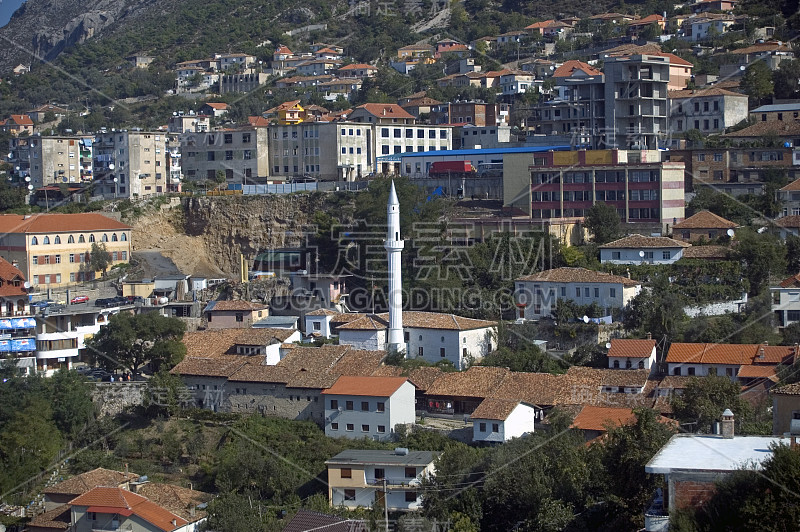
(538,275)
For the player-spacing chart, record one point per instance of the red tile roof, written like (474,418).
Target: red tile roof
(110,499)
(758,372)
(236,304)
(358,66)
(569,67)
(705,220)
(366,386)
(21,120)
(639,241)
(791,282)
(539,25)
(91,479)
(218,106)
(491,408)
(788,221)
(631,348)
(711,91)
(11,280)
(728,354)
(258,121)
(58,223)
(577,275)
(415,319)
(600,418)
(794,185)
(771,46)
(391,110)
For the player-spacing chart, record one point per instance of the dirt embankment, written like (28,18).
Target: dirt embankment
(206,235)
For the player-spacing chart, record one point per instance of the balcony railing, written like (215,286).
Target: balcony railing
(396,482)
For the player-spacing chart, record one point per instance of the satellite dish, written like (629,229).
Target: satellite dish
(730,233)
(586,319)
(174,113)
(641,254)
(30,187)
(26,284)
(608,345)
(742,68)
(111,166)
(761,230)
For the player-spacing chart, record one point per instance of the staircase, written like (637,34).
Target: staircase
(37,506)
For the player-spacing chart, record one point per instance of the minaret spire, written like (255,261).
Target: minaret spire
(394,246)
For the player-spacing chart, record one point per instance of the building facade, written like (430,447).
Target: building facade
(130,164)
(708,110)
(239,156)
(638,249)
(52,159)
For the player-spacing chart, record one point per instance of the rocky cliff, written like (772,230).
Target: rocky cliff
(205,235)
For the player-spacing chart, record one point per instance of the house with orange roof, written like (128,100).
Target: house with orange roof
(234,314)
(636,26)
(640,249)
(742,362)
(786,301)
(770,53)
(16,316)
(17,125)
(595,421)
(215,109)
(500,420)
(357,70)
(539,27)
(630,354)
(369,407)
(703,225)
(789,196)
(112,508)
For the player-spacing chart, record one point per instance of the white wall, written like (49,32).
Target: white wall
(369,340)
(398,409)
(631,256)
(324,322)
(550,293)
(702,370)
(649,362)
(520,422)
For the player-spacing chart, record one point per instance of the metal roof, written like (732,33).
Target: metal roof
(778,107)
(374,457)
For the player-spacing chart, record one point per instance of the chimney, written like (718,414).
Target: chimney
(126,470)
(727,424)
(15,263)
(174,522)
(761,353)
(649,336)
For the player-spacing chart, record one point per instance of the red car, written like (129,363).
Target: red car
(79,299)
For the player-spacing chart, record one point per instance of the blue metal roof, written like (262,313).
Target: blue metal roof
(489,151)
(778,107)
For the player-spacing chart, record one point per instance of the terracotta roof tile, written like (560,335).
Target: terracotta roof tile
(176,499)
(712,91)
(534,388)
(728,354)
(706,252)
(639,241)
(793,186)
(599,418)
(704,220)
(570,67)
(629,378)
(12,282)
(491,408)
(358,66)
(118,498)
(420,320)
(366,386)
(788,389)
(84,482)
(791,282)
(790,221)
(58,223)
(577,275)
(758,372)
(233,305)
(539,25)
(218,106)
(772,127)
(322,312)
(477,381)
(771,46)
(389,110)
(631,348)
(59,518)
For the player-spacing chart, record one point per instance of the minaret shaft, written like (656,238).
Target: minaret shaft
(394,247)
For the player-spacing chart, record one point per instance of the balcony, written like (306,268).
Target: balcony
(398,483)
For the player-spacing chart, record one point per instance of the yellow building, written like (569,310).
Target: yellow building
(289,113)
(53,250)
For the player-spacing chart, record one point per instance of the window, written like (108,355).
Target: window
(495,427)
(364,428)
(245,138)
(596,292)
(482,427)
(104,238)
(577,292)
(46,240)
(411,472)
(365,406)
(690,371)
(411,496)
(123,237)
(239,317)
(442,352)
(348,405)
(615,255)
(228,155)
(334,426)
(349,427)
(72,257)
(334,404)
(91,238)
(665,255)
(380,473)
(612,292)
(616,364)
(381,429)
(349,495)
(381,407)
(420,351)
(210,155)
(346,472)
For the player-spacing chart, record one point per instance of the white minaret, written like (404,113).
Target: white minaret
(394,247)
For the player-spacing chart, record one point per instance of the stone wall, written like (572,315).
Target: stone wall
(275,400)
(113,398)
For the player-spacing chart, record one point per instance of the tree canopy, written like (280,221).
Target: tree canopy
(603,222)
(129,342)
(704,400)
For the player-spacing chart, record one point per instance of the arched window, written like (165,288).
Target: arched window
(57,240)
(124,237)
(104,238)
(21,305)
(46,240)
(9,308)
(628,364)
(81,240)
(91,238)
(34,241)
(71,239)
(616,364)
(113,237)
(641,364)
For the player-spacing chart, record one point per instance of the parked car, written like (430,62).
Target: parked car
(135,299)
(79,299)
(43,303)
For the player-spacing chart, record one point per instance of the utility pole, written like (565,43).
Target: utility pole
(385,504)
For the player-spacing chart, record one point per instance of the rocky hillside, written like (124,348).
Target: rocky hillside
(205,235)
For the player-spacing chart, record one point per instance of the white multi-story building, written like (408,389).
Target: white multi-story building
(638,249)
(362,478)
(368,407)
(537,295)
(786,301)
(130,164)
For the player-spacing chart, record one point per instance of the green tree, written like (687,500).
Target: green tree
(99,258)
(657,310)
(29,441)
(131,341)
(603,222)
(72,402)
(232,512)
(651,32)
(787,79)
(757,81)
(762,254)
(11,197)
(704,400)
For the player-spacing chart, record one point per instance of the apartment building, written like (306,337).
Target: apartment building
(565,184)
(52,159)
(709,110)
(636,105)
(17,324)
(240,155)
(327,151)
(54,249)
(477,113)
(130,163)
(363,478)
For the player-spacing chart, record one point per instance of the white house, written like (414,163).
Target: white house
(432,336)
(786,300)
(318,322)
(361,477)
(537,295)
(368,407)
(632,354)
(498,420)
(736,361)
(638,249)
